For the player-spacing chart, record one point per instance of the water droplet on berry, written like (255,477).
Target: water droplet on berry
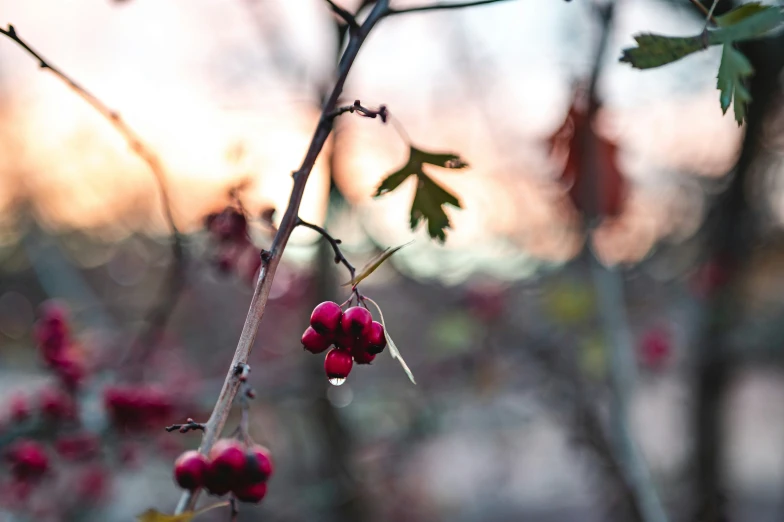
(337,381)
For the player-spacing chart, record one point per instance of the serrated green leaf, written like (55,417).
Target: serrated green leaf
(734,69)
(429,197)
(744,23)
(393,351)
(655,50)
(751,23)
(428,204)
(153,515)
(740,13)
(374,264)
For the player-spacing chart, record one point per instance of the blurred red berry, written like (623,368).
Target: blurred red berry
(28,459)
(79,446)
(655,348)
(258,464)
(338,364)
(19,408)
(56,405)
(355,321)
(190,470)
(314,342)
(325,318)
(92,484)
(253,493)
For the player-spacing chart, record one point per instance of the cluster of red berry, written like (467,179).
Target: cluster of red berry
(56,348)
(233,248)
(137,408)
(354,333)
(242,469)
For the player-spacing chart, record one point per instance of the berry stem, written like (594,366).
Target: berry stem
(339,257)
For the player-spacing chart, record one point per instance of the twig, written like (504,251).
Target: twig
(175,280)
(705,11)
(381,112)
(190,425)
(710,18)
(442,6)
(339,257)
(261,292)
(347,17)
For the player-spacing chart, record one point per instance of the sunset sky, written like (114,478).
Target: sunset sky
(198,81)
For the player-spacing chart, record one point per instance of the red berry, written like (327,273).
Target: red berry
(253,493)
(363,356)
(314,342)
(77,447)
(57,405)
(326,317)
(375,339)
(338,364)
(190,470)
(227,463)
(344,341)
(28,460)
(355,321)
(258,464)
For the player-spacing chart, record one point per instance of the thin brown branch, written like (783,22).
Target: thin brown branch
(174,281)
(357,107)
(258,303)
(440,6)
(335,243)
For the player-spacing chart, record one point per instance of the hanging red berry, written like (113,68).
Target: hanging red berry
(326,317)
(355,321)
(190,470)
(315,342)
(338,364)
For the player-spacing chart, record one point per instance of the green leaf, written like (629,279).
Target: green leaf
(430,197)
(747,24)
(743,23)
(374,264)
(740,13)
(733,71)
(393,351)
(152,515)
(428,204)
(655,50)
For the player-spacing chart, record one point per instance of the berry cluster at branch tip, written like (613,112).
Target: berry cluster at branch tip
(231,467)
(356,337)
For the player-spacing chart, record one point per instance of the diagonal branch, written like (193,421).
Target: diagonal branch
(347,17)
(258,304)
(440,6)
(335,243)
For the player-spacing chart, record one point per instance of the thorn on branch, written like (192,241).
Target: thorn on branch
(190,425)
(266,256)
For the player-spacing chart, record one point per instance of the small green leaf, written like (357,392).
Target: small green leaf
(153,515)
(430,197)
(747,22)
(740,13)
(734,69)
(655,50)
(374,264)
(393,351)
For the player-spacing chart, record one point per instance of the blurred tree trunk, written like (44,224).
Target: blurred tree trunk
(729,232)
